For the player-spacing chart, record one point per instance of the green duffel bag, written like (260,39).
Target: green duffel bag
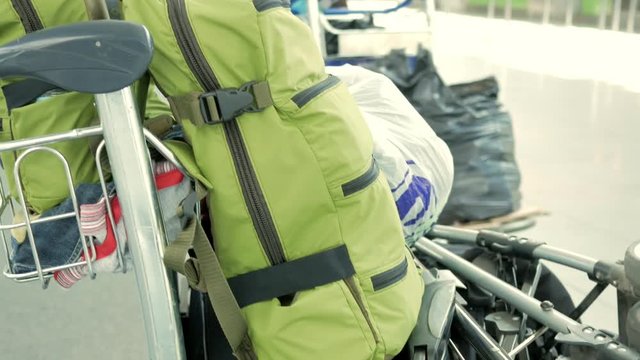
(27,110)
(304,225)
(31,109)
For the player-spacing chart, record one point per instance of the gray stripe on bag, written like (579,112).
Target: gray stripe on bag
(362,181)
(304,96)
(264,5)
(390,277)
(292,276)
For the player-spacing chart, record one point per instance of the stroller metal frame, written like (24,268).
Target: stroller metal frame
(569,330)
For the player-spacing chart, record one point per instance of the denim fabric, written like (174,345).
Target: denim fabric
(58,242)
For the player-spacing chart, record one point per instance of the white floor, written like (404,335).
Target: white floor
(577,140)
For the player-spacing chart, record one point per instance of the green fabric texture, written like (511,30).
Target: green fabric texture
(302,155)
(43,177)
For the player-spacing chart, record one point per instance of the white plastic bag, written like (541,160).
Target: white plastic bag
(417,163)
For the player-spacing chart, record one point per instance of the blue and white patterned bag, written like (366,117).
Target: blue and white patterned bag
(416,162)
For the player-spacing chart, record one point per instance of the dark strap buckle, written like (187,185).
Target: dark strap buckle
(227,104)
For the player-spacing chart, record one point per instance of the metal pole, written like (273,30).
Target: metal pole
(546,12)
(542,312)
(133,176)
(430,8)
(508,9)
(313,11)
(49,139)
(566,258)
(491,9)
(617,10)
(516,350)
(478,337)
(602,20)
(545,252)
(454,233)
(631,18)
(568,16)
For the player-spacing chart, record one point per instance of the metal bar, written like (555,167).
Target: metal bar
(568,16)
(313,11)
(491,9)
(529,288)
(546,12)
(38,221)
(455,234)
(617,10)
(27,216)
(44,140)
(25,278)
(133,176)
(580,309)
(566,258)
(430,9)
(112,220)
(631,16)
(528,341)
(545,252)
(602,19)
(163,150)
(33,275)
(537,310)
(508,9)
(478,337)
(455,349)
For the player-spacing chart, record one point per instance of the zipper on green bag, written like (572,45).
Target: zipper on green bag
(251,191)
(28,15)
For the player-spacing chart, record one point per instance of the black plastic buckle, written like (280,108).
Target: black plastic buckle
(227,104)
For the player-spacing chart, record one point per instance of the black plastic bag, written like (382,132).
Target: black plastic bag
(469,118)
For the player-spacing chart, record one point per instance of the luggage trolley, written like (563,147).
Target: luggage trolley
(376,40)
(115,54)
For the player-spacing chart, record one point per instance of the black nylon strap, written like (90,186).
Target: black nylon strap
(292,276)
(25,92)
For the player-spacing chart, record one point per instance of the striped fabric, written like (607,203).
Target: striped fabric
(96,225)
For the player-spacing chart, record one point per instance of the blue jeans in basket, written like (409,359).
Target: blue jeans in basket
(57,242)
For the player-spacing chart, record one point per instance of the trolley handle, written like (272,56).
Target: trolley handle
(91,57)
(625,276)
